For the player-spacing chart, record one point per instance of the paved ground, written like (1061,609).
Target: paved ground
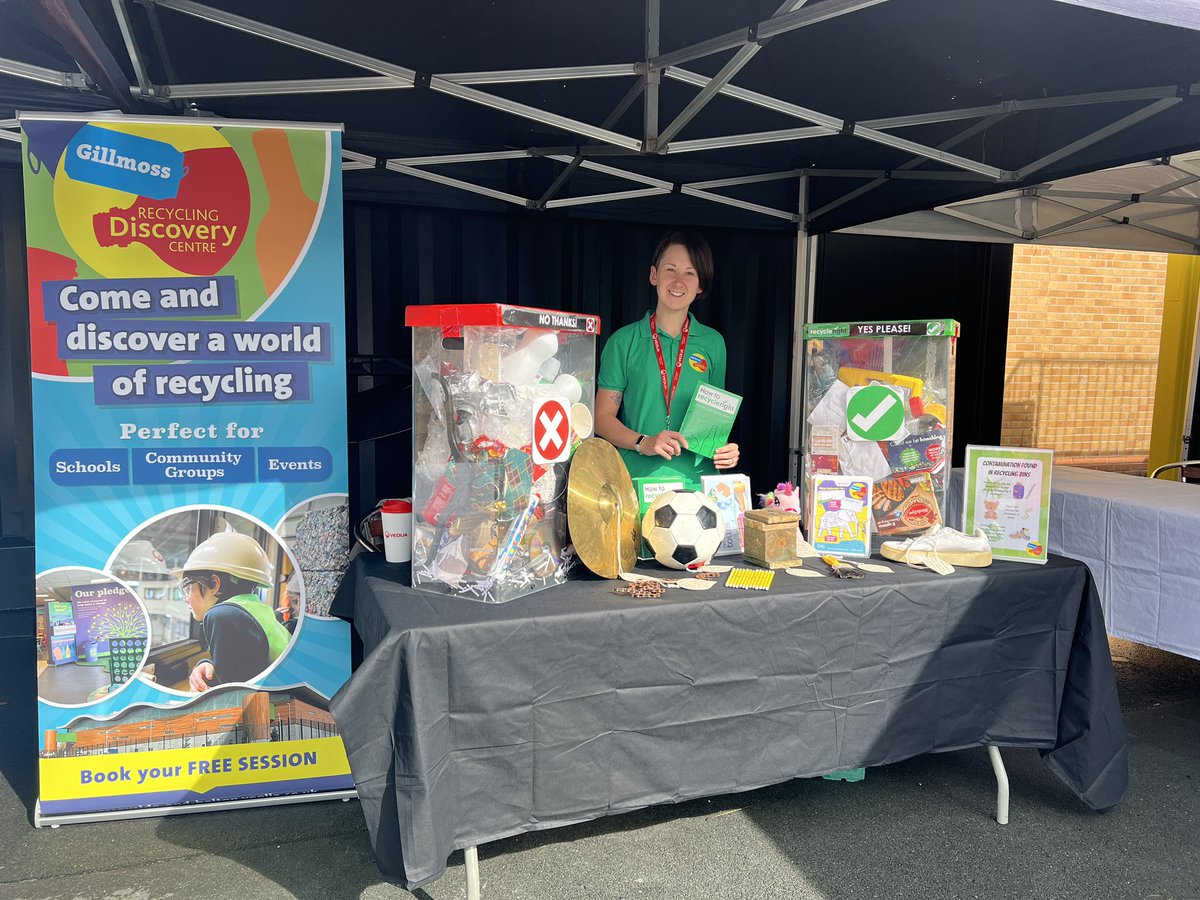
(918,829)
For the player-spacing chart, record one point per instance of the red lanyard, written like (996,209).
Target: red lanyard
(669,392)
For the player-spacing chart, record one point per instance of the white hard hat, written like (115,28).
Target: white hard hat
(235,554)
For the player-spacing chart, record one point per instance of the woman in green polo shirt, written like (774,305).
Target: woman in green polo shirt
(650,369)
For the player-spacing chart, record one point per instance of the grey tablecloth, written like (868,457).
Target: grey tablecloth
(1141,539)
(468,722)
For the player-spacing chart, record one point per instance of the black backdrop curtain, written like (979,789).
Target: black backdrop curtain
(399,256)
(16,419)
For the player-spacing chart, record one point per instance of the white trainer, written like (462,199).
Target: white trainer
(941,543)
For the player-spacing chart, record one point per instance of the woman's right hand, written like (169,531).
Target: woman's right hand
(667,444)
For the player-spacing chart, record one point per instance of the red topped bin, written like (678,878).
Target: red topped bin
(501,396)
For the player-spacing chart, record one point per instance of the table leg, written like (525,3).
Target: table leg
(471,857)
(1001,785)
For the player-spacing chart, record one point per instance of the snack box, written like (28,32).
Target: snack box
(905,503)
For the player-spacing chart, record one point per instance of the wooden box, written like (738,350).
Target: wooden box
(771,538)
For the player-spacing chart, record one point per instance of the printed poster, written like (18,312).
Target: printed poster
(1006,495)
(731,494)
(840,515)
(186,327)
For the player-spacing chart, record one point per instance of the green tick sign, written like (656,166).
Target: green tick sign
(874,413)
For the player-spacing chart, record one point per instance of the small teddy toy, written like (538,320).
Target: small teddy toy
(785,497)
(990,506)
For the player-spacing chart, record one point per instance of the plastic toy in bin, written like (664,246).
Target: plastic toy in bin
(501,397)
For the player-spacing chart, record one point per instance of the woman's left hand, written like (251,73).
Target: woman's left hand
(726,457)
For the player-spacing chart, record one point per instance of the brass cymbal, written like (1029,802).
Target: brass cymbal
(602,509)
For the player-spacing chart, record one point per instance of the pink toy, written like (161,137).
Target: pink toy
(785,497)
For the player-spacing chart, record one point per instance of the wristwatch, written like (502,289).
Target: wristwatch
(637,445)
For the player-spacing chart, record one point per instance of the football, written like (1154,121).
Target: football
(683,529)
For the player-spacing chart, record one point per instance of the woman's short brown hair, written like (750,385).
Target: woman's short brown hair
(697,248)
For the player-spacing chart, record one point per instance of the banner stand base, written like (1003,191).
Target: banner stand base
(41,821)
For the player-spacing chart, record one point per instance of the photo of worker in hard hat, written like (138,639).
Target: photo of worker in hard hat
(220,582)
(215,585)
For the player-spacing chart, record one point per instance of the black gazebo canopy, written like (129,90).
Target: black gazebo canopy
(821,114)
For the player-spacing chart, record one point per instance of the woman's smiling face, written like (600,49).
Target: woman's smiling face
(675,279)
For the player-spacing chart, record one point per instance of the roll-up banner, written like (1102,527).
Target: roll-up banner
(186,308)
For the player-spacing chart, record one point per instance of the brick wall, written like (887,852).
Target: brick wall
(1083,335)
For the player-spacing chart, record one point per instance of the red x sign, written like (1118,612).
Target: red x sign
(551,431)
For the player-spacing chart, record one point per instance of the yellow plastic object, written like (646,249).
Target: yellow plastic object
(852,377)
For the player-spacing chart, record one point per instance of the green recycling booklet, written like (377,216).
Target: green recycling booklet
(709,419)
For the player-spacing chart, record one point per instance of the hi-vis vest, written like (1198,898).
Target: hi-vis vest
(277,635)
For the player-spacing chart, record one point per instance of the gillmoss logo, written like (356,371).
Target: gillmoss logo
(124,162)
(174,201)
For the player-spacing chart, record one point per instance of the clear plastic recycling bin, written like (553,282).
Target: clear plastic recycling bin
(501,397)
(878,405)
